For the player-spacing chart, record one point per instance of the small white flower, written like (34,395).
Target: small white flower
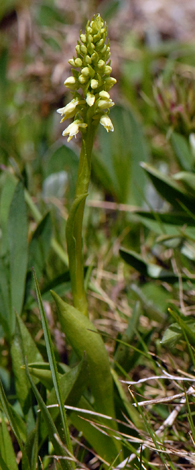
(90,99)
(73,129)
(107,123)
(69,110)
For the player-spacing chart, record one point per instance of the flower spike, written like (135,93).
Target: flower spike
(90,80)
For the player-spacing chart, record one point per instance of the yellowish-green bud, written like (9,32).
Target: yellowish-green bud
(82,79)
(71,83)
(94,84)
(71,62)
(83,37)
(109,82)
(88,59)
(100,64)
(85,71)
(83,49)
(107,69)
(100,43)
(78,62)
(78,49)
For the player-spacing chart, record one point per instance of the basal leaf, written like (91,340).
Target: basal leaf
(146,269)
(6,447)
(116,164)
(40,245)
(18,251)
(182,151)
(168,188)
(53,366)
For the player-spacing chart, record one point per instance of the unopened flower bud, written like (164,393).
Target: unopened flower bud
(70,82)
(71,62)
(78,62)
(109,82)
(78,49)
(85,71)
(100,43)
(100,64)
(107,69)
(83,49)
(88,59)
(83,37)
(94,84)
(82,79)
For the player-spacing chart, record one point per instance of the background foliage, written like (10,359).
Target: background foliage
(139,233)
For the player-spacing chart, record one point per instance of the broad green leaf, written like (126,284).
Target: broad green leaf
(168,188)
(172,335)
(102,444)
(23,346)
(147,269)
(182,151)
(129,408)
(53,365)
(63,157)
(14,425)
(40,245)
(83,337)
(72,385)
(55,185)
(183,328)
(167,223)
(41,373)
(51,428)
(5,201)
(3,465)
(4,297)
(116,164)
(6,447)
(31,446)
(18,251)
(122,350)
(187,178)
(151,310)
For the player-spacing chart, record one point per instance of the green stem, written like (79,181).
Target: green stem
(75,223)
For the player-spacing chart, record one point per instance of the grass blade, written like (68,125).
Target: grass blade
(53,366)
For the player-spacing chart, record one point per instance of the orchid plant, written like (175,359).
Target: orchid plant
(90,84)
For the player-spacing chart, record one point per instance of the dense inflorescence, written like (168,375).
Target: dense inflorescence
(90,81)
